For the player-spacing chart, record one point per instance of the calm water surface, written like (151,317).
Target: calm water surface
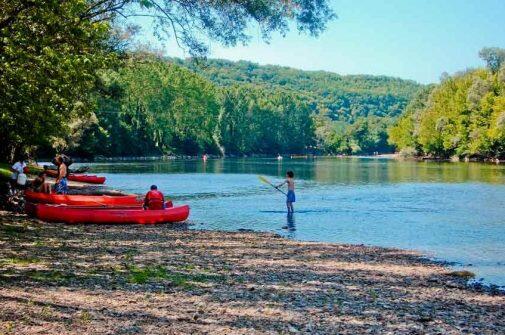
(450,211)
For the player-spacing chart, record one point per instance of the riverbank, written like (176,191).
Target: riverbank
(90,279)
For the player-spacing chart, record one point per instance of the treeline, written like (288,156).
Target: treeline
(155,106)
(67,82)
(345,98)
(151,106)
(71,83)
(463,116)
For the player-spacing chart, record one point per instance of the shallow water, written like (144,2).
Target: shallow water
(450,211)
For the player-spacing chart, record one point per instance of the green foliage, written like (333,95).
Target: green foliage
(344,98)
(365,136)
(192,23)
(52,51)
(348,114)
(256,120)
(152,107)
(494,58)
(404,134)
(48,63)
(463,116)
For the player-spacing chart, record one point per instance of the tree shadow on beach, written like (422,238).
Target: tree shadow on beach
(165,279)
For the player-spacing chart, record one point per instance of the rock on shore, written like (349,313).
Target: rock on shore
(165,279)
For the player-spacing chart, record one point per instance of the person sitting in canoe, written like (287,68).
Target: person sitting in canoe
(61,184)
(39,184)
(154,199)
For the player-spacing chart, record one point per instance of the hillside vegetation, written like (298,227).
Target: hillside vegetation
(347,98)
(463,116)
(160,106)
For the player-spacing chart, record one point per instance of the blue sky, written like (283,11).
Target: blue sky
(412,39)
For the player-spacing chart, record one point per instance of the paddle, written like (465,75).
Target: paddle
(266,181)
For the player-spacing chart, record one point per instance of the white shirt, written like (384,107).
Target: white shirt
(18,167)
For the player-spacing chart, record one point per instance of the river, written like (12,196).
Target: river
(450,211)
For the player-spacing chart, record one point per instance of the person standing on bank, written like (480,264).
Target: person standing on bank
(61,184)
(17,169)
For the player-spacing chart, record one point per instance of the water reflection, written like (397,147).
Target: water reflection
(290,225)
(326,170)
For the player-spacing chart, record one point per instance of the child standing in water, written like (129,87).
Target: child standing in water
(290,197)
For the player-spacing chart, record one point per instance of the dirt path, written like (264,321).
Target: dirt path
(61,279)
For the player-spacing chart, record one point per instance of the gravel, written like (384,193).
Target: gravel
(167,279)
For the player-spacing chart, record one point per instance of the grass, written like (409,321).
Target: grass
(150,273)
(8,328)
(39,244)
(85,317)
(19,261)
(373,295)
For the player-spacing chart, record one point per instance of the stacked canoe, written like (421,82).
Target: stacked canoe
(99,209)
(83,178)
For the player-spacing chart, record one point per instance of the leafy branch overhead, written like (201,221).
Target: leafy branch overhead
(52,51)
(194,23)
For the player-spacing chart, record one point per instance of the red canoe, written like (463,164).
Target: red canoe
(83,178)
(83,200)
(79,214)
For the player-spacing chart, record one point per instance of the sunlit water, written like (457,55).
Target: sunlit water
(451,211)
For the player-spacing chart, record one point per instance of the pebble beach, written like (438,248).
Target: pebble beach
(168,279)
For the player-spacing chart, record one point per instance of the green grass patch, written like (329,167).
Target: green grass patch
(142,275)
(19,261)
(187,267)
(39,244)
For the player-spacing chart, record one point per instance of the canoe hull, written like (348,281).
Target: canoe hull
(103,215)
(82,200)
(83,178)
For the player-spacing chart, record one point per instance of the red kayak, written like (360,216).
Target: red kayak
(83,178)
(83,200)
(104,215)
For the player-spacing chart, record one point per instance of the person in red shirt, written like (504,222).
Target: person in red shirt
(154,199)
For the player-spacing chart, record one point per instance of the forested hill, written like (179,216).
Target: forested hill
(346,98)
(155,105)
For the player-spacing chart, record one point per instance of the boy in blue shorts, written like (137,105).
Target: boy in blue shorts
(290,196)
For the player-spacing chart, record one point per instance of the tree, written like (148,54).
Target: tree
(52,51)
(192,23)
(463,115)
(404,133)
(149,106)
(48,64)
(494,58)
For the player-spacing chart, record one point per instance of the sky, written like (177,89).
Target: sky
(410,39)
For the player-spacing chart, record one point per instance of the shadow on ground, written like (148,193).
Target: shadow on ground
(166,279)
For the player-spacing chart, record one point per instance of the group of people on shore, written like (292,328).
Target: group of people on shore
(39,184)
(154,199)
